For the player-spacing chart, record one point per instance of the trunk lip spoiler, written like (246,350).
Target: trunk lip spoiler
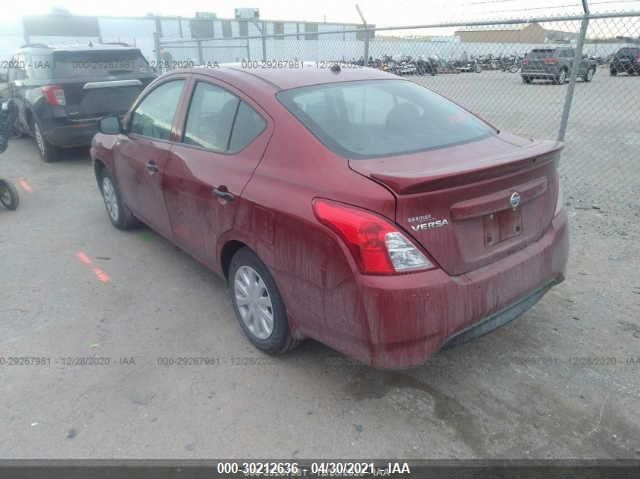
(408,183)
(111,84)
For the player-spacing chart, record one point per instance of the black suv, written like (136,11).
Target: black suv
(626,60)
(62,92)
(555,64)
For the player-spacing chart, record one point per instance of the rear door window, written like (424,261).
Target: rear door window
(248,125)
(210,118)
(153,117)
(220,121)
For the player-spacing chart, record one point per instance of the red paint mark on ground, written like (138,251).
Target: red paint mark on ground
(26,186)
(83,257)
(100,274)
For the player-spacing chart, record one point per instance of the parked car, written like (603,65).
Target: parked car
(61,92)
(555,64)
(349,206)
(626,60)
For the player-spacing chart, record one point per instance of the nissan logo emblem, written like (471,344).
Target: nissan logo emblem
(514,199)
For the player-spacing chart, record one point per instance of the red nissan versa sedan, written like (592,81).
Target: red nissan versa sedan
(349,206)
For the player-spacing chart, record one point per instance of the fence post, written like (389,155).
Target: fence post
(200,54)
(156,46)
(577,60)
(366,46)
(264,42)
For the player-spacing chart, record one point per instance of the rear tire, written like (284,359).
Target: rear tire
(119,214)
(9,195)
(526,80)
(258,305)
(48,152)
(589,75)
(613,72)
(561,79)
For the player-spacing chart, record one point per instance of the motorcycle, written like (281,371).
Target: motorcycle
(8,193)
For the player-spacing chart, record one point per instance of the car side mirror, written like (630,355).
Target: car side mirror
(110,125)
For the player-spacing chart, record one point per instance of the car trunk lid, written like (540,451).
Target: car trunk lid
(472,204)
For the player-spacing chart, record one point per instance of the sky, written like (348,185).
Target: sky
(379,12)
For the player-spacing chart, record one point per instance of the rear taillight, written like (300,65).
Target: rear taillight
(54,95)
(376,244)
(525,61)
(638,57)
(550,61)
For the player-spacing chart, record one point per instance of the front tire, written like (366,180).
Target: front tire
(119,214)
(526,80)
(9,195)
(613,72)
(48,152)
(258,305)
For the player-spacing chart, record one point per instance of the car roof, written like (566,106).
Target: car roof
(285,77)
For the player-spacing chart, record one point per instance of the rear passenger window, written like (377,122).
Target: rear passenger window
(247,127)
(210,117)
(219,121)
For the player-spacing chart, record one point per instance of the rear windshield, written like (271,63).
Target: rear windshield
(542,53)
(98,63)
(628,52)
(368,119)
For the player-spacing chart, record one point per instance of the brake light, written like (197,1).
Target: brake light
(551,61)
(376,244)
(525,61)
(54,95)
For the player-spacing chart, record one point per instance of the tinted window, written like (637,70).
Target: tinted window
(98,63)
(210,117)
(542,53)
(248,125)
(368,119)
(154,116)
(628,51)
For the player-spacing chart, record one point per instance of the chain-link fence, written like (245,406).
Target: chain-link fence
(575,78)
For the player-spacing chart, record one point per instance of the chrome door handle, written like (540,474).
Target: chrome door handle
(152,167)
(222,193)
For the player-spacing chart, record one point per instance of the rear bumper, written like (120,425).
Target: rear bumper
(410,317)
(67,133)
(539,74)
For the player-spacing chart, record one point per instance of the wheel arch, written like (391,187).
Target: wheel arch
(229,249)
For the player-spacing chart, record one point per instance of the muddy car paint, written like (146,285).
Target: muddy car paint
(391,321)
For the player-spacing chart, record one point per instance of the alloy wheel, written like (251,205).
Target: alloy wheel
(110,198)
(563,77)
(39,140)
